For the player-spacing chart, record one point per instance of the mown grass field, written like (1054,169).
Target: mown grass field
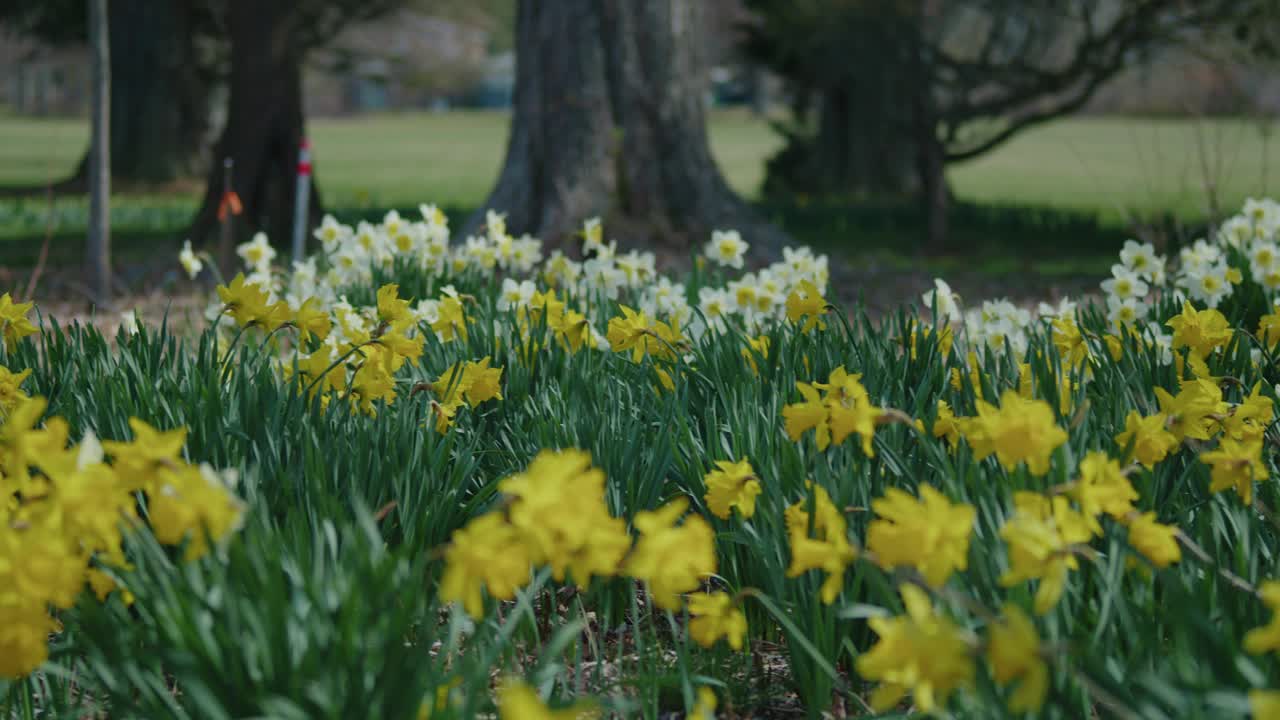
(1114,166)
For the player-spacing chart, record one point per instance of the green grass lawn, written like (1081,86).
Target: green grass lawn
(1120,167)
(1114,166)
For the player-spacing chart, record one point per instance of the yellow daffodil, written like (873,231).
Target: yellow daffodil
(715,616)
(921,652)
(1013,652)
(806,302)
(1020,430)
(945,425)
(1148,440)
(705,707)
(1194,412)
(1102,488)
(1245,422)
(1269,329)
(811,414)
(844,408)
(13,319)
(559,508)
(1155,541)
(820,544)
(1040,536)
(1200,331)
(518,701)
(1236,465)
(930,534)
(732,485)
(391,309)
(756,346)
(672,559)
(245,302)
(74,510)
(11,394)
(1264,704)
(1266,638)
(312,320)
(451,322)
(490,554)
(1070,342)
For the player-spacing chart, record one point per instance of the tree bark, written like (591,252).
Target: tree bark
(264,127)
(671,185)
(858,150)
(588,70)
(98,250)
(935,194)
(558,168)
(160,109)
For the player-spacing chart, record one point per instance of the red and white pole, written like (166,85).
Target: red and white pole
(300,202)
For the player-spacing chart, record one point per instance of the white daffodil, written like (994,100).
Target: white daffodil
(941,297)
(515,294)
(1124,283)
(257,253)
(189,260)
(726,248)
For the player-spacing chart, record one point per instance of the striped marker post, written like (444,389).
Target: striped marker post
(300,202)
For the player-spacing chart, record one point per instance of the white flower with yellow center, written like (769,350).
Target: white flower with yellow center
(715,303)
(726,248)
(1210,285)
(1262,258)
(526,253)
(1122,313)
(592,236)
(367,237)
(495,224)
(743,292)
(515,294)
(331,234)
(189,260)
(392,224)
(257,253)
(1124,284)
(947,302)
(433,215)
(637,266)
(1141,258)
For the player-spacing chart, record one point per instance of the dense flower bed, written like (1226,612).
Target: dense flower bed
(461,475)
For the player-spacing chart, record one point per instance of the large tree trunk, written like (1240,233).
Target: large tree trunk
(588,68)
(264,127)
(931,154)
(671,184)
(935,194)
(858,149)
(159,102)
(558,169)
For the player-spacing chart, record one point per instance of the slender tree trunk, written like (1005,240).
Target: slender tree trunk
(588,70)
(264,125)
(98,255)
